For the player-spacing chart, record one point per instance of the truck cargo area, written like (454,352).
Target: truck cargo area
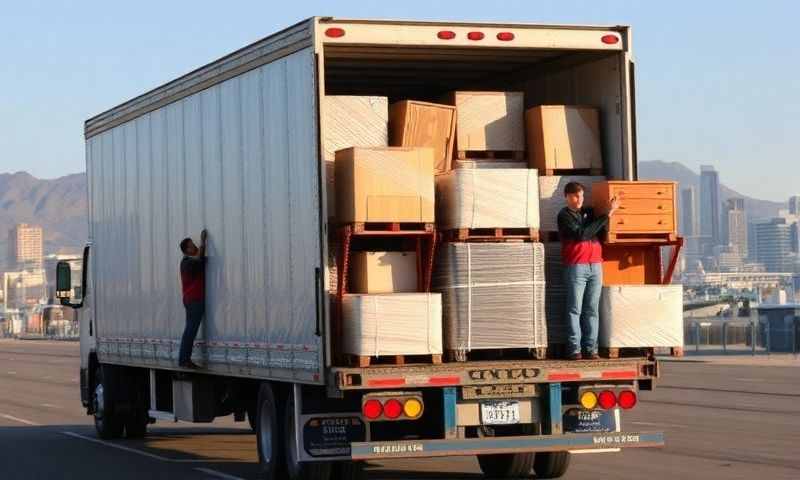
(546,76)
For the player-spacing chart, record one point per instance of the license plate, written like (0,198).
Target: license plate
(499,413)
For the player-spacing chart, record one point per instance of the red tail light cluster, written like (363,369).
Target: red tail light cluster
(446,35)
(608,399)
(334,32)
(394,407)
(610,39)
(475,35)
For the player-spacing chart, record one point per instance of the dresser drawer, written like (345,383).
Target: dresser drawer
(641,190)
(641,223)
(639,206)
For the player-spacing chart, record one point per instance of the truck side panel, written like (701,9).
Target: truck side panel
(239,158)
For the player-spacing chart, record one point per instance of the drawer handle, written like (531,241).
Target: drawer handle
(621,222)
(660,207)
(660,222)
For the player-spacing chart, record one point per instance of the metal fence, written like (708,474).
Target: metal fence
(741,336)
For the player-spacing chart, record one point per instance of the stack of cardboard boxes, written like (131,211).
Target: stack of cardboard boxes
(465,160)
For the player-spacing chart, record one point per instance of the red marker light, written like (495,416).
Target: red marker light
(627,399)
(475,35)
(372,409)
(392,409)
(610,39)
(505,36)
(607,400)
(446,35)
(334,32)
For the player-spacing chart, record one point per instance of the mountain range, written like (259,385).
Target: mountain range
(59,205)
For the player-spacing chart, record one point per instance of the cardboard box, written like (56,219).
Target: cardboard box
(383,272)
(563,137)
(623,324)
(392,324)
(422,124)
(389,184)
(488,198)
(351,121)
(489,121)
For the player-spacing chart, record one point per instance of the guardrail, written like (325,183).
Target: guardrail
(729,336)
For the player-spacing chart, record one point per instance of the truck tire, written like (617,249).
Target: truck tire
(136,424)
(296,469)
(551,464)
(267,434)
(107,422)
(507,465)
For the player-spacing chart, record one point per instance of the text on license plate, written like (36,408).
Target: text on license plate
(499,413)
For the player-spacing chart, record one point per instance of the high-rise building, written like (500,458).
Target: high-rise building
(794,205)
(688,204)
(709,204)
(25,247)
(773,244)
(736,225)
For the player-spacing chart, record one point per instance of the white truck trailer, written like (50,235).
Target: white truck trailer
(234,147)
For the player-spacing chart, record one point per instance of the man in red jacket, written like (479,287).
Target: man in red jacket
(582,254)
(193,281)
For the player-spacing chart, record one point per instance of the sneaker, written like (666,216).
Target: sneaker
(575,356)
(591,356)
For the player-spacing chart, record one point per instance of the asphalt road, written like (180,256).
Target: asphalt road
(732,421)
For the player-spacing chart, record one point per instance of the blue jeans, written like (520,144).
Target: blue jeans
(584,283)
(194,316)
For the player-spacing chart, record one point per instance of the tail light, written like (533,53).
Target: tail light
(505,36)
(475,35)
(627,399)
(446,35)
(610,39)
(372,409)
(588,400)
(392,409)
(394,406)
(334,32)
(607,399)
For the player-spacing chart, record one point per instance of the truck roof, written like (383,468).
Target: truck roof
(260,52)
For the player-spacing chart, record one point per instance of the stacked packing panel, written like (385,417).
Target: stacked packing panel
(493,295)
(635,316)
(556,294)
(392,324)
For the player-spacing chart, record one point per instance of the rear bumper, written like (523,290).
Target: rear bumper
(475,446)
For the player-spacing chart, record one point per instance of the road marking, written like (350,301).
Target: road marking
(133,450)
(20,420)
(650,424)
(11,373)
(49,405)
(217,474)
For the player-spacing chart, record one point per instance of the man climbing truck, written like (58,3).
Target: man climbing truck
(235,147)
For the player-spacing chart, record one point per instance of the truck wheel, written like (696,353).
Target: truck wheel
(267,437)
(507,465)
(136,424)
(107,423)
(296,469)
(551,464)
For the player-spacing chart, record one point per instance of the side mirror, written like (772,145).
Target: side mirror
(63,282)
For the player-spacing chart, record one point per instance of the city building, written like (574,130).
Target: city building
(794,205)
(773,244)
(688,226)
(736,225)
(25,247)
(709,204)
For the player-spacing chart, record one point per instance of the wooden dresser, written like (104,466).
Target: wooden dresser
(648,209)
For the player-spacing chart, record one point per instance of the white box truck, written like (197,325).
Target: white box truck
(234,147)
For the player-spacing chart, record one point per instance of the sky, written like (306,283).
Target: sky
(718,83)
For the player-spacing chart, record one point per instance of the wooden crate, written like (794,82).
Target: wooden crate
(489,121)
(648,210)
(421,124)
(562,138)
(491,235)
